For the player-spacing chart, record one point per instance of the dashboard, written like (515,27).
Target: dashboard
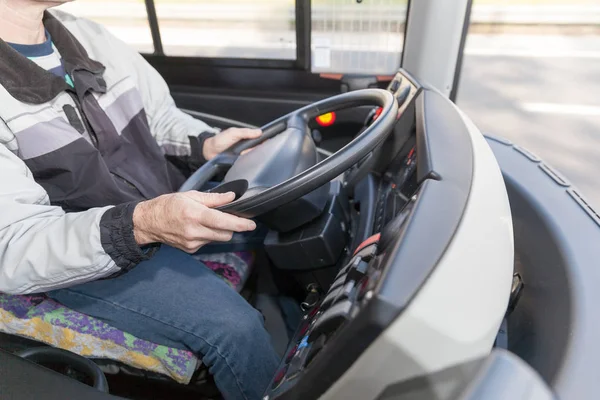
(397,187)
(429,269)
(350,297)
(431,236)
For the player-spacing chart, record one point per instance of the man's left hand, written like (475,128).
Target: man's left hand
(224,140)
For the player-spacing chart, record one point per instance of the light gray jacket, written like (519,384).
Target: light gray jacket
(70,177)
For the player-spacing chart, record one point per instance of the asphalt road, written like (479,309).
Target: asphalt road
(546,102)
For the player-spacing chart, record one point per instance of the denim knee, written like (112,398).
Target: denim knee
(244,354)
(244,325)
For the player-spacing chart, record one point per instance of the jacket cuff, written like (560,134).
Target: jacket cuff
(197,145)
(118,241)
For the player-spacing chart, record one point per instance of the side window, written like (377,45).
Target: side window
(257,29)
(126,19)
(347,36)
(357,37)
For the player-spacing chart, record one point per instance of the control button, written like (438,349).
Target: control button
(331,296)
(367,243)
(296,361)
(395,85)
(303,343)
(315,349)
(339,294)
(339,281)
(356,274)
(403,95)
(352,264)
(346,292)
(279,378)
(331,319)
(343,271)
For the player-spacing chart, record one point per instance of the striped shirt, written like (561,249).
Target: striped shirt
(45,55)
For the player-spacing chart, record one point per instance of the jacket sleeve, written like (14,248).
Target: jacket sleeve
(43,248)
(178,133)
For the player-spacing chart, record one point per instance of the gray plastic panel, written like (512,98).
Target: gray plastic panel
(501,376)
(440,128)
(504,376)
(23,380)
(220,122)
(555,327)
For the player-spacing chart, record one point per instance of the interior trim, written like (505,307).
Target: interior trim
(220,121)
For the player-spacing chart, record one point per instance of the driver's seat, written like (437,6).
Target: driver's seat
(36,320)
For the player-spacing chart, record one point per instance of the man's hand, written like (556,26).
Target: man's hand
(186,220)
(224,140)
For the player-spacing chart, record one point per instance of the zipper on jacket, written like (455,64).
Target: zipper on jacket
(128,183)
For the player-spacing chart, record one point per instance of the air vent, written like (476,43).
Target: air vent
(585,205)
(556,177)
(528,154)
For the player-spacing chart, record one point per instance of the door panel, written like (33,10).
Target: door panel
(242,108)
(248,107)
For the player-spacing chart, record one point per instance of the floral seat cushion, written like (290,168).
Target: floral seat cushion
(40,318)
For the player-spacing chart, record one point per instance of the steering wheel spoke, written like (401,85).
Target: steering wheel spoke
(205,173)
(268,131)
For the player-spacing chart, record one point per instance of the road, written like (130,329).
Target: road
(547,101)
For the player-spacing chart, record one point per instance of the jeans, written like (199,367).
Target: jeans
(176,301)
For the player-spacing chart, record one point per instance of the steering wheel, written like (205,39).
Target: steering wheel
(262,182)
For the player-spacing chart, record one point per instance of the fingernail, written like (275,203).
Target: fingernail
(251,225)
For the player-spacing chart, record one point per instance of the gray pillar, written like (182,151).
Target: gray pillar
(433,41)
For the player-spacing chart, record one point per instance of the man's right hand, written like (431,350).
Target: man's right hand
(187,220)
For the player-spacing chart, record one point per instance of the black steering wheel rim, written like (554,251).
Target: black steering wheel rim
(317,175)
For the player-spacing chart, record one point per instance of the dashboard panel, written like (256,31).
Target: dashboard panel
(349,299)
(398,185)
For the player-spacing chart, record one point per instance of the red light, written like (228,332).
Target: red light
(377,113)
(326,119)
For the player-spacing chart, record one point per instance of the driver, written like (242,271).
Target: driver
(88,214)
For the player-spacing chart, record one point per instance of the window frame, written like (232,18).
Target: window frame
(303,45)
